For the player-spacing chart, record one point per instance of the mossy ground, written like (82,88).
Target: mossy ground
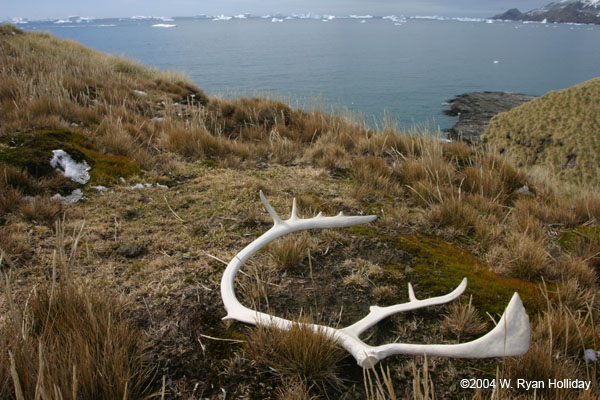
(32,152)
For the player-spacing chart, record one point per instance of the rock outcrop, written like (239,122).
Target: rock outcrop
(475,109)
(574,11)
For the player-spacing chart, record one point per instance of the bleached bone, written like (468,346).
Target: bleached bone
(510,337)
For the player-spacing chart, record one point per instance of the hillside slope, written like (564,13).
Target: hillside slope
(560,131)
(117,295)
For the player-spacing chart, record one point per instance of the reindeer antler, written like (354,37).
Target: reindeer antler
(510,337)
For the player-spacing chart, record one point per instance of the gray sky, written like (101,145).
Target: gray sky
(38,9)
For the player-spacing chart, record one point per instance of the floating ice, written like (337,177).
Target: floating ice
(19,20)
(496,61)
(241,16)
(164,26)
(277,20)
(360,16)
(77,172)
(221,18)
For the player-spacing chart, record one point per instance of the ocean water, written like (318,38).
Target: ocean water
(405,68)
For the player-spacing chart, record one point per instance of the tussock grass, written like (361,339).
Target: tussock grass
(462,320)
(289,251)
(67,342)
(300,353)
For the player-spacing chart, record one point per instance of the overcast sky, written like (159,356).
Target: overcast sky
(39,9)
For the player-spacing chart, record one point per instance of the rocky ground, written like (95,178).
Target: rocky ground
(475,110)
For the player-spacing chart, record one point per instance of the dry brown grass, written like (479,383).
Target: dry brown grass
(288,252)
(41,210)
(67,342)
(462,321)
(329,161)
(557,130)
(301,353)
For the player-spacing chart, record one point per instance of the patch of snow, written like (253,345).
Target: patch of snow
(63,163)
(74,197)
(159,119)
(525,190)
(591,355)
(146,186)
(100,188)
(140,92)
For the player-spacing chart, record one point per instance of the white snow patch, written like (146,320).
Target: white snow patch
(140,92)
(591,355)
(100,188)
(146,186)
(63,163)
(74,197)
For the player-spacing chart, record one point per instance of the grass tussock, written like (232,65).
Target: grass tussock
(69,343)
(300,352)
(462,321)
(290,251)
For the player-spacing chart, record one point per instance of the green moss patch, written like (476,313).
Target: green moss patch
(569,238)
(440,266)
(32,151)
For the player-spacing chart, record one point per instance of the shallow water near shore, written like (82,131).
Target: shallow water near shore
(404,68)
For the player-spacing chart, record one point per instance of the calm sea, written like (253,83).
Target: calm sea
(404,67)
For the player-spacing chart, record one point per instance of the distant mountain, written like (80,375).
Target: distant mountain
(575,11)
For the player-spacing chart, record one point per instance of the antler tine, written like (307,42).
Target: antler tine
(270,209)
(377,313)
(411,293)
(294,215)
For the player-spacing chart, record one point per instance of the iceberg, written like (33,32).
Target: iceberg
(164,26)
(222,18)
(277,20)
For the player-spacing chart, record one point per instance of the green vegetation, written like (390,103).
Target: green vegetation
(559,131)
(152,258)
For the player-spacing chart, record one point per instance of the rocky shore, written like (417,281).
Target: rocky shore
(475,110)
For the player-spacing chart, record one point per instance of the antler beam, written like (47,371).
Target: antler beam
(510,337)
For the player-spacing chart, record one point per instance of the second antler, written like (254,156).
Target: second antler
(510,337)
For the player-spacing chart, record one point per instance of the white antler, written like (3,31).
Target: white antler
(510,337)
